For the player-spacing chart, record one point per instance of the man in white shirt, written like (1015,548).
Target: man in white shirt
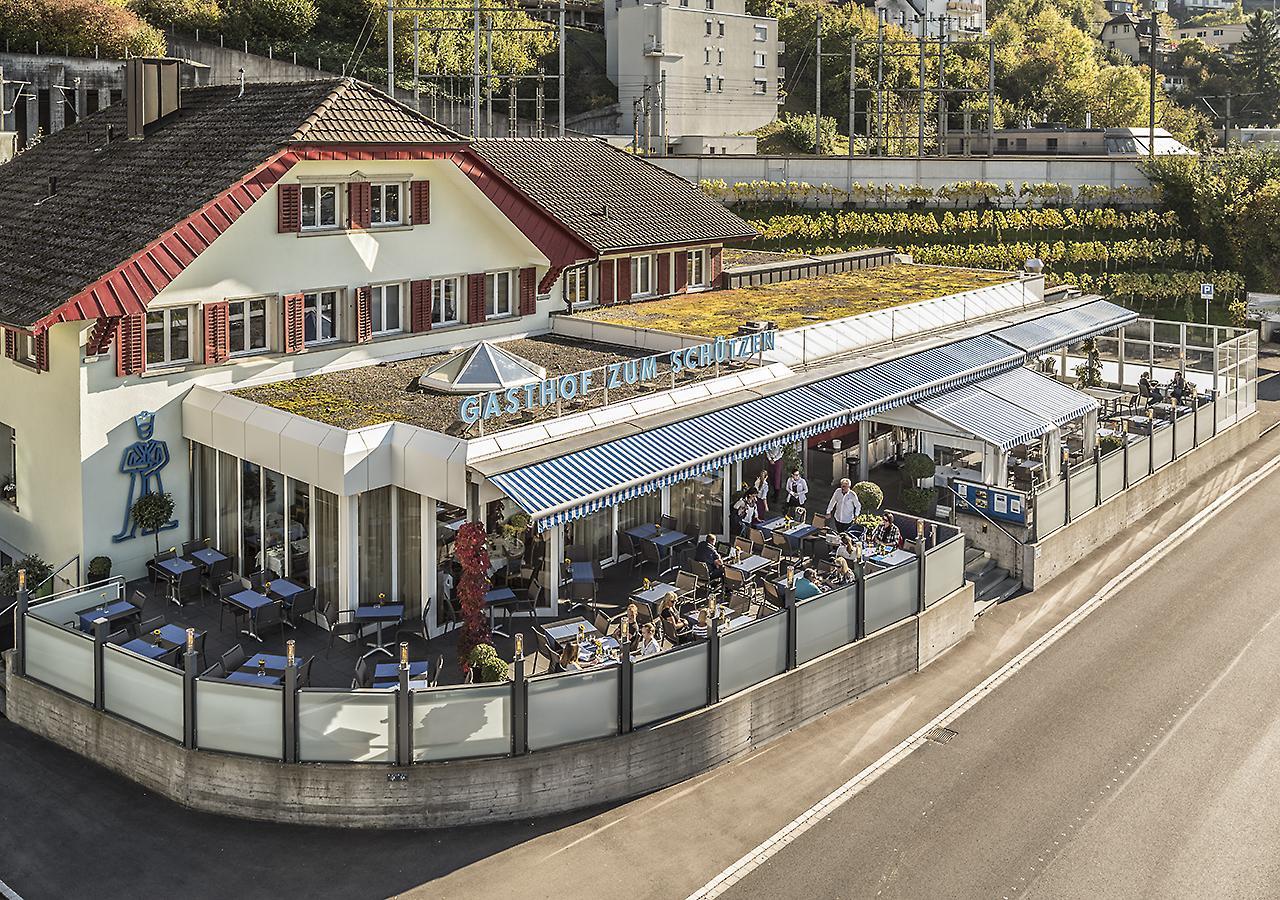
(797,489)
(844,505)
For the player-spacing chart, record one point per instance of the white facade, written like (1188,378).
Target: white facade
(1224,37)
(935,18)
(691,67)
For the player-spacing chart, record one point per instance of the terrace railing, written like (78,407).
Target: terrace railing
(404,726)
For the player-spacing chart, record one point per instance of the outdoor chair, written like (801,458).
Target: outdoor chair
(627,549)
(662,565)
(364,674)
(119,637)
(411,626)
(154,572)
(756,535)
(189,547)
(685,551)
(338,627)
(687,585)
(577,553)
(304,673)
(819,521)
(700,569)
(773,594)
(217,574)
(233,659)
(140,627)
(435,673)
(668,523)
(774,555)
(670,633)
(269,618)
(187,590)
(217,670)
(602,622)
(225,591)
(529,603)
(743,546)
(419,647)
(255,580)
(303,602)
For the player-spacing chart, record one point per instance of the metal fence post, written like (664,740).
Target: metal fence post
(1097,476)
(921,539)
(291,712)
(101,629)
(190,669)
(519,702)
(713,662)
(1214,433)
(1066,490)
(1124,455)
(20,625)
(404,711)
(626,675)
(789,597)
(860,600)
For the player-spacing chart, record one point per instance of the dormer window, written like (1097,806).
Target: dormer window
(385,206)
(319,206)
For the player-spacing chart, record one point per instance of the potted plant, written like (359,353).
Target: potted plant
(916,467)
(486,665)
(870,497)
(151,512)
(1110,443)
(919,501)
(9,490)
(99,569)
(38,571)
(473,556)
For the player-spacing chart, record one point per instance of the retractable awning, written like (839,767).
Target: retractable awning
(1059,329)
(1011,408)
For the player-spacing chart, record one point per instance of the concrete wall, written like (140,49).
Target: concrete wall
(841,172)
(225,63)
(471,792)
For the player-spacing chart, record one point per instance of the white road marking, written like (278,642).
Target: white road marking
(9,893)
(756,857)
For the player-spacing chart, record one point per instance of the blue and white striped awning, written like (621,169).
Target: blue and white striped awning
(885,385)
(1011,408)
(577,484)
(1060,329)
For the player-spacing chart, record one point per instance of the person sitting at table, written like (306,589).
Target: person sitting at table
(669,611)
(841,575)
(848,548)
(633,618)
(648,641)
(747,511)
(844,506)
(710,557)
(807,585)
(569,658)
(797,489)
(888,532)
(1178,386)
(762,494)
(702,627)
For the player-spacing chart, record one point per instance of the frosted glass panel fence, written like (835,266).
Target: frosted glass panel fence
(1111,473)
(669,684)
(1050,508)
(345,726)
(1084,489)
(1139,459)
(828,621)
(142,691)
(240,718)
(1184,439)
(1204,423)
(64,610)
(1162,451)
(943,570)
(891,595)
(752,653)
(564,709)
(1226,409)
(60,657)
(462,722)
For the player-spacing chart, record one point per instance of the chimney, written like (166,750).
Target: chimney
(53,185)
(152,92)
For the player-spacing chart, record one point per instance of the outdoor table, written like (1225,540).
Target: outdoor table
(172,638)
(1140,424)
(587,651)
(665,540)
(208,556)
(582,571)
(284,589)
(561,632)
(495,598)
(112,612)
(272,670)
(725,624)
(895,557)
(251,601)
(380,613)
(795,533)
(657,590)
(750,565)
(174,569)
(388,675)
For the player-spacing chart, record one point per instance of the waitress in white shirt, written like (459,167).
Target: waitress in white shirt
(797,489)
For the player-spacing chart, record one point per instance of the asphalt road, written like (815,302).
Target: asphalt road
(1137,757)
(1148,692)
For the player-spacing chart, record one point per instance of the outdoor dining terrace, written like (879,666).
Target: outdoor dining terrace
(168,661)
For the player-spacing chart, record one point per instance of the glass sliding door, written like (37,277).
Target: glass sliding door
(299,540)
(229,507)
(448,520)
(700,501)
(250,517)
(325,546)
(409,550)
(590,537)
(374,545)
(273,523)
(206,460)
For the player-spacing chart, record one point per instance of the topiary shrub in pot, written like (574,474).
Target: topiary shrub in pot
(486,665)
(917,466)
(151,512)
(918,501)
(99,569)
(869,495)
(1110,443)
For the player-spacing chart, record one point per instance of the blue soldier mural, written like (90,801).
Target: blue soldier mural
(142,462)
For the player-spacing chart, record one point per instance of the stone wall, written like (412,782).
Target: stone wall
(469,792)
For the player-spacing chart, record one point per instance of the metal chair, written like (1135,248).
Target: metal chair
(225,591)
(304,673)
(189,547)
(302,603)
(233,659)
(653,555)
(435,673)
(188,587)
(364,674)
(744,546)
(338,627)
(627,548)
(687,585)
(268,618)
(668,523)
(217,574)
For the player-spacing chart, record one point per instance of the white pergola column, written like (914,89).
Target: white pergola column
(1090,430)
(1053,454)
(864,450)
(430,579)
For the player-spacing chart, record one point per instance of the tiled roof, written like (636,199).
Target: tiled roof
(612,199)
(111,201)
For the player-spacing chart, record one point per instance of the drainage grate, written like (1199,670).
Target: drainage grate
(941,735)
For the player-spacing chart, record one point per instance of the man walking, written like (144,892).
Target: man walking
(844,505)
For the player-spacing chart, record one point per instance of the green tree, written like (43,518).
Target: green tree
(269,20)
(1232,16)
(151,512)
(78,26)
(187,15)
(1257,65)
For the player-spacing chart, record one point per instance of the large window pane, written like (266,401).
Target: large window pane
(273,522)
(374,544)
(325,545)
(448,520)
(644,510)
(409,549)
(206,459)
(299,531)
(228,504)
(251,516)
(593,532)
(700,501)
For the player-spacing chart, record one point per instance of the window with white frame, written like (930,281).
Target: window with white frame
(385,208)
(759,60)
(706,51)
(761,86)
(8,464)
(762,33)
(720,84)
(721,28)
(168,336)
(720,55)
(709,26)
(641,276)
(708,84)
(497,294)
(697,268)
(384,308)
(320,317)
(445,293)
(577,286)
(247,326)
(319,206)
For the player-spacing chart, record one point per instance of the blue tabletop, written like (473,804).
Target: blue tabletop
(391,671)
(749,565)
(144,647)
(208,556)
(243,677)
(894,557)
(176,566)
(111,612)
(567,630)
(284,588)
(387,612)
(668,537)
(499,596)
(656,592)
(250,600)
(587,650)
(582,571)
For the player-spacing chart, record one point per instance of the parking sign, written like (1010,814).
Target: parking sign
(1206,292)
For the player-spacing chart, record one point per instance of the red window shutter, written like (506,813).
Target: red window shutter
(664,273)
(217,337)
(606,282)
(528,291)
(682,271)
(420,304)
(41,346)
(131,346)
(10,343)
(104,329)
(359,204)
(289,218)
(364,314)
(624,278)
(294,323)
(475,299)
(715,265)
(420,202)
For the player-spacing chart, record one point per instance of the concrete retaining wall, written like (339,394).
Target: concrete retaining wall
(469,792)
(808,267)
